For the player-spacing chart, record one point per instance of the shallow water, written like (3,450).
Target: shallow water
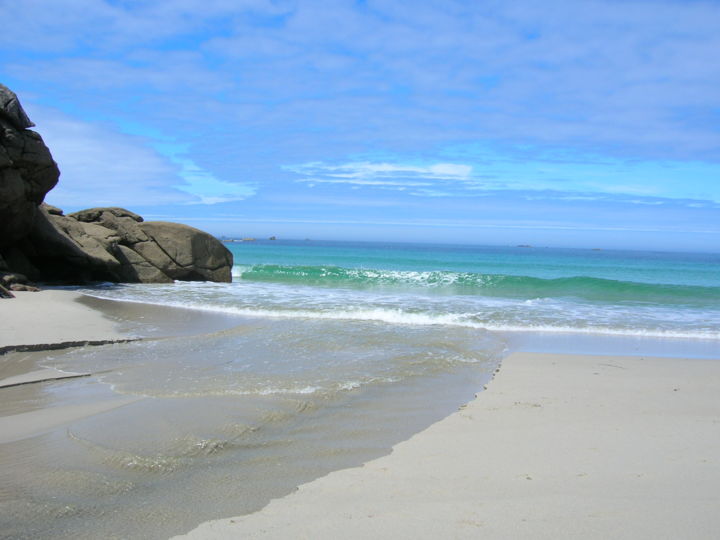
(562,291)
(318,356)
(229,420)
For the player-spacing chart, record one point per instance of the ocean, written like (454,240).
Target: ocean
(319,356)
(493,289)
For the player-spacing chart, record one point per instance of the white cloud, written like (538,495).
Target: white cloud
(395,175)
(362,182)
(631,75)
(451,170)
(102,167)
(442,180)
(56,25)
(207,188)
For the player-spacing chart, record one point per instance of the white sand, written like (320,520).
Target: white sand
(51,316)
(559,446)
(47,317)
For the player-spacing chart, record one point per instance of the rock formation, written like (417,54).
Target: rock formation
(40,243)
(27,170)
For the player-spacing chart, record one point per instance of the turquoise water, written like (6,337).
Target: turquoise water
(503,289)
(318,356)
(545,263)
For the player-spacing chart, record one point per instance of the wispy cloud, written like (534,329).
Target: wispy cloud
(562,110)
(541,178)
(206,188)
(630,77)
(111,25)
(380,174)
(103,167)
(452,224)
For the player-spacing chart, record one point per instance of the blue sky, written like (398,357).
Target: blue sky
(562,123)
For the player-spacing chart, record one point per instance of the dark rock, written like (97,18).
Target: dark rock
(134,268)
(115,246)
(4,293)
(186,253)
(64,246)
(27,170)
(11,110)
(38,242)
(11,278)
(96,214)
(124,222)
(23,287)
(53,210)
(19,262)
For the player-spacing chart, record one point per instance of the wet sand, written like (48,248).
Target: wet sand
(558,446)
(80,461)
(48,319)
(56,319)
(29,424)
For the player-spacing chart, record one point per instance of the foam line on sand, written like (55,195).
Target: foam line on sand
(558,446)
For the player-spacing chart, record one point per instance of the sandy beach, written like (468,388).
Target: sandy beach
(52,317)
(48,319)
(57,319)
(558,446)
(359,270)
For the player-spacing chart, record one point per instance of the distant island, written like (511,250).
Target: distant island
(227,240)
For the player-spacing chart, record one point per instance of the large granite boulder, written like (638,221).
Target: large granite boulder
(186,253)
(173,251)
(60,248)
(27,170)
(114,244)
(124,222)
(38,242)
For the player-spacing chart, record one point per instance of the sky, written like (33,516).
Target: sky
(561,123)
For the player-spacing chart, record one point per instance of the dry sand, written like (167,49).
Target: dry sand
(558,446)
(51,316)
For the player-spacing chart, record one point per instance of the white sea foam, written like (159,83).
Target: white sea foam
(658,333)
(612,321)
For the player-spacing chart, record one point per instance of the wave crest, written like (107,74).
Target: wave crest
(501,285)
